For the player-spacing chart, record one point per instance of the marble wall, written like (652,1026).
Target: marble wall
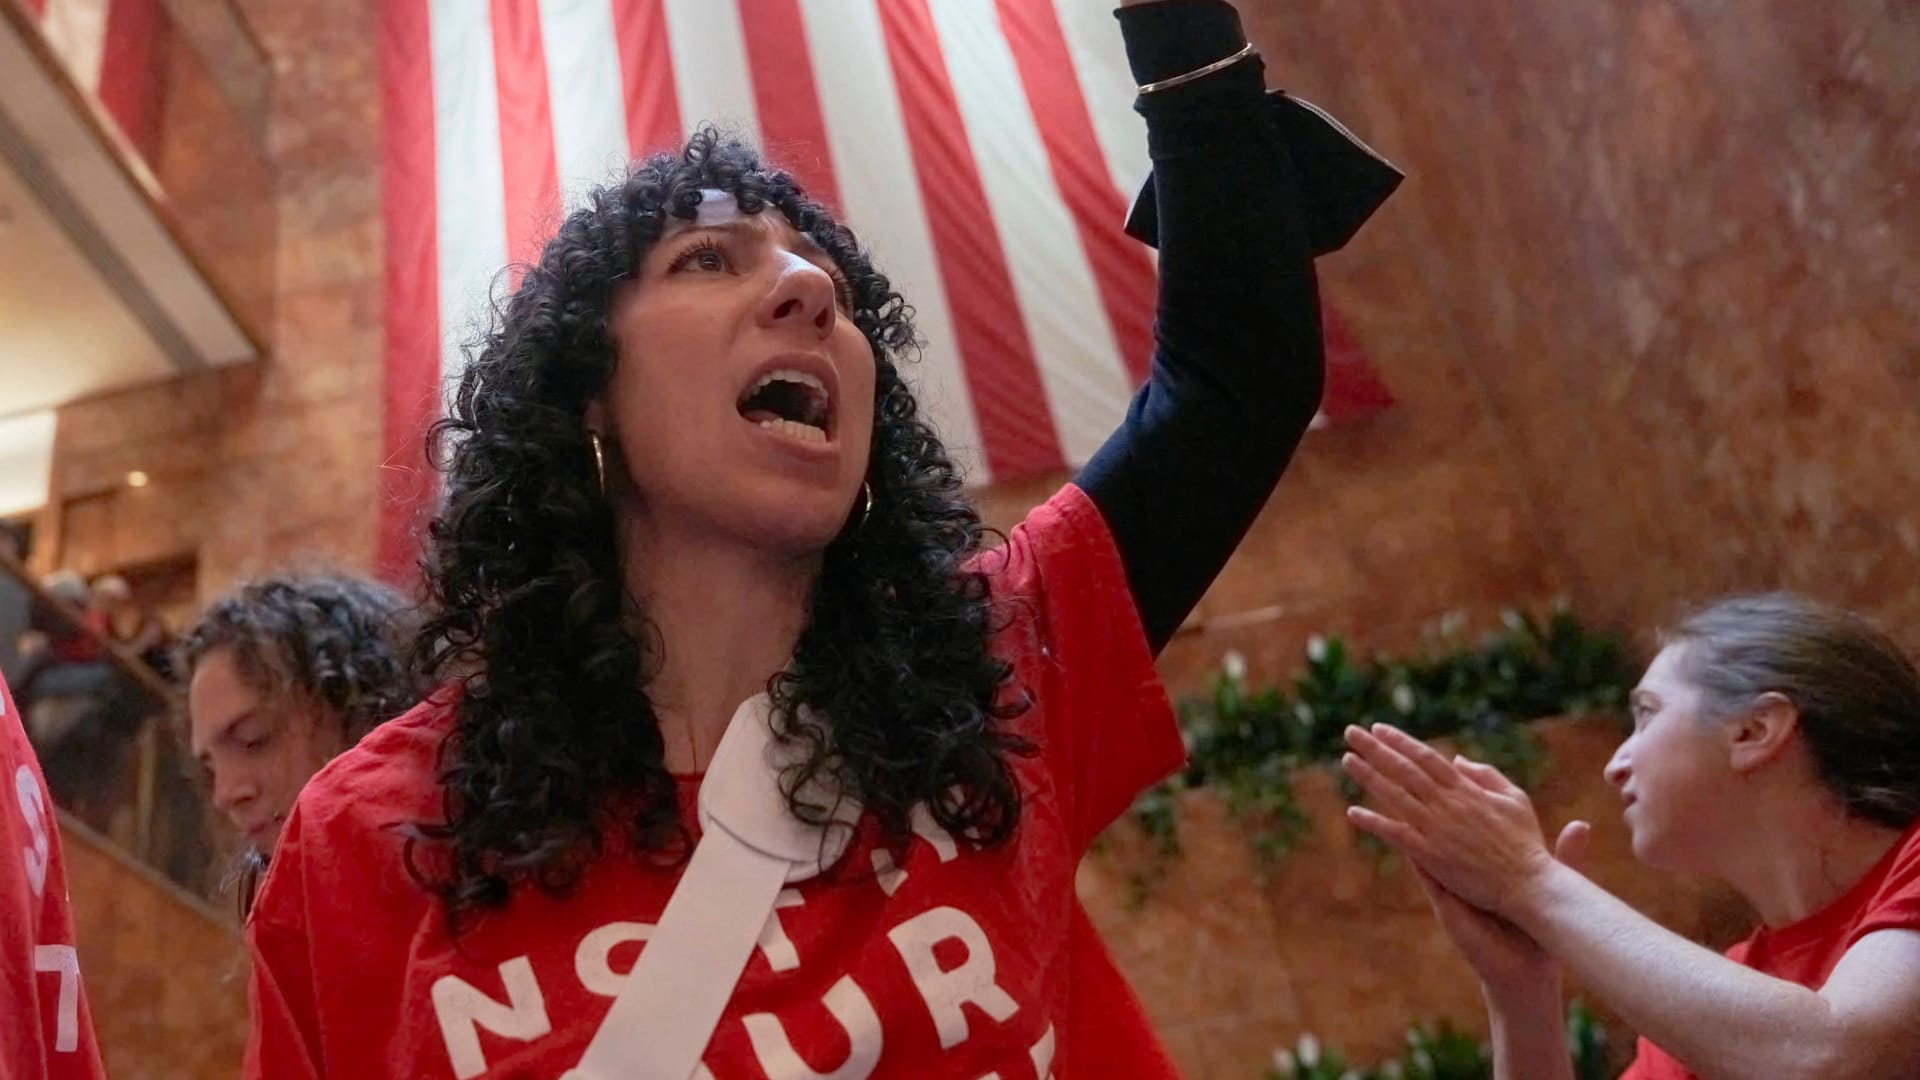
(1664,249)
(277,461)
(166,977)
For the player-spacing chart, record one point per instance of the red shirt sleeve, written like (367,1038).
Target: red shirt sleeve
(1652,1063)
(1896,903)
(284,1039)
(1075,638)
(43,1004)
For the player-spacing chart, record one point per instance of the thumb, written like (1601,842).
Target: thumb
(1571,847)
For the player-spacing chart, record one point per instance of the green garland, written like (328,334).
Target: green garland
(1246,744)
(1442,1054)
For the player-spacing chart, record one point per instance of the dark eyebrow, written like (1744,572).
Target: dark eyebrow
(804,245)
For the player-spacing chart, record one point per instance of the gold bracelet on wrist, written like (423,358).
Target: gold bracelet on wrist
(1198,73)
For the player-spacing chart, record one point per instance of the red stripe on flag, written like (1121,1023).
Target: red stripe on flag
(1009,399)
(411,382)
(1353,389)
(133,52)
(793,131)
(646,76)
(530,180)
(1121,269)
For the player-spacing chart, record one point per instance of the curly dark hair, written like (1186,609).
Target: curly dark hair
(555,737)
(332,639)
(337,640)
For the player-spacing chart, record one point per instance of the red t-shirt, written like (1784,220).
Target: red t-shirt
(936,961)
(82,644)
(43,1008)
(1806,952)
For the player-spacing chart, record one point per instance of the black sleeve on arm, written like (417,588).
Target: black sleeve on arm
(1237,364)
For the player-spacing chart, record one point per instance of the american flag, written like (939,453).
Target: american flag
(986,150)
(113,49)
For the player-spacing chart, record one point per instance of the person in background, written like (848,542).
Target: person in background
(68,632)
(283,674)
(1776,748)
(80,710)
(44,1014)
(130,625)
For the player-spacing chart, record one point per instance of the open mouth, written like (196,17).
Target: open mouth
(791,403)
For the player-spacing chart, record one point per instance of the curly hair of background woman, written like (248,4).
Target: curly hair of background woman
(332,639)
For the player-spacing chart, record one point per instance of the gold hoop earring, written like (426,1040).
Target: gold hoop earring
(866,506)
(599,461)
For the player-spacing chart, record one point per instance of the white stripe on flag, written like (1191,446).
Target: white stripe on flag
(77,30)
(1100,63)
(1073,343)
(584,92)
(470,197)
(710,71)
(882,201)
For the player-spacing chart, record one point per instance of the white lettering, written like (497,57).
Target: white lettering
(890,876)
(66,1025)
(463,1010)
(849,1005)
(774,944)
(929,830)
(700,1072)
(1042,1054)
(946,991)
(33,805)
(591,961)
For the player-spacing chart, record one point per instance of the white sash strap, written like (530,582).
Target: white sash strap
(750,846)
(668,1007)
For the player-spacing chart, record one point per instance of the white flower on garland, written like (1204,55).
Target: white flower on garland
(1403,699)
(1235,666)
(1317,648)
